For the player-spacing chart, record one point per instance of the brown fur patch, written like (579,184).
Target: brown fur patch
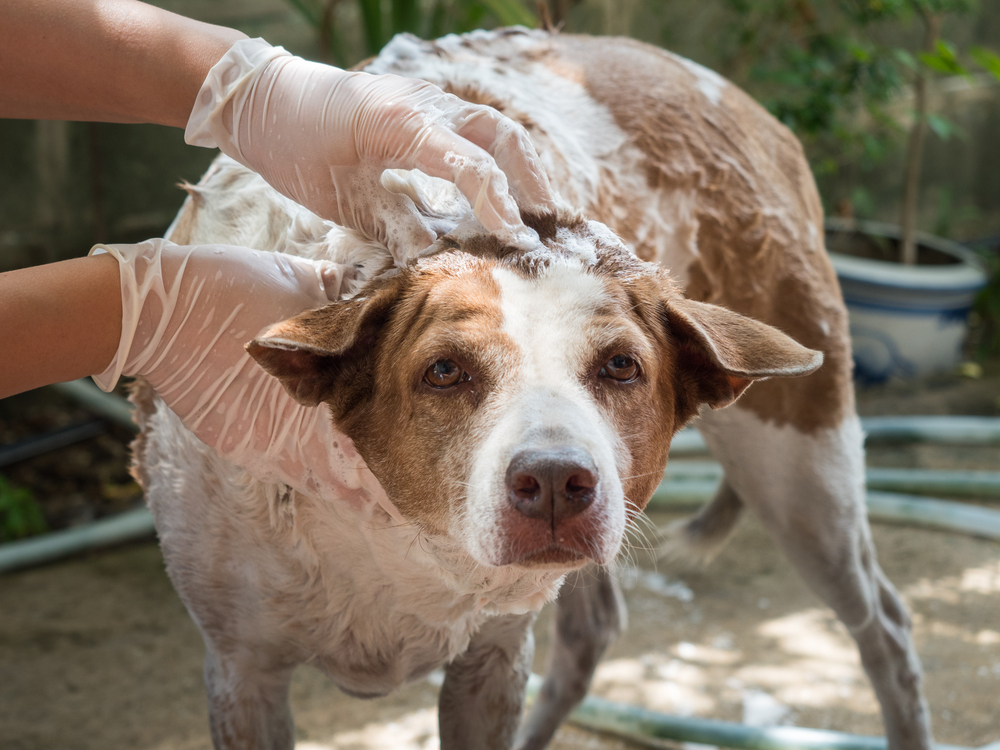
(546,224)
(476,95)
(142,395)
(756,201)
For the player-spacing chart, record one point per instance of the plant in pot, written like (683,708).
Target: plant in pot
(828,73)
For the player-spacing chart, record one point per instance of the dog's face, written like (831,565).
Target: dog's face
(522,403)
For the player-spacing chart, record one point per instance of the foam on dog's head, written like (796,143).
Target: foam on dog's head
(564,235)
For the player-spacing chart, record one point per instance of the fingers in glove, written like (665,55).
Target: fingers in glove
(336,278)
(508,143)
(403,229)
(445,154)
(370,205)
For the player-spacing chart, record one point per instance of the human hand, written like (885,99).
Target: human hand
(323,136)
(187,312)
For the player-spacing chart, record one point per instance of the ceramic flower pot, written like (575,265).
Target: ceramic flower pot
(905,320)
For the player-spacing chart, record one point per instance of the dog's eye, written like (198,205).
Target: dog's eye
(444,373)
(622,368)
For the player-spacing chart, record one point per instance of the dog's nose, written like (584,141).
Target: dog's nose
(551,484)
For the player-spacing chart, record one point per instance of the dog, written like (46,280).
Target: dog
(517,407)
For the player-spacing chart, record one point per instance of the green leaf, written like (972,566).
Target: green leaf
(945,128)
(435,24)
(860,53)
(309,13)
(941,127)
(511,13)
(827,166)
(20,514)
(944,60)
(905,58)
(987,60)
(405,16)
(371,16)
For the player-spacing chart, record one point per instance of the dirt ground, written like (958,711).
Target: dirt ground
(98,652)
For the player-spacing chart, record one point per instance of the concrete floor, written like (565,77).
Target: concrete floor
(99,652)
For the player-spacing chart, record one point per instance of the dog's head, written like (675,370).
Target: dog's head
(522,402)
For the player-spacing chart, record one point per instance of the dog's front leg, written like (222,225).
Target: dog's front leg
(483,691)
(248,701)
(590,614)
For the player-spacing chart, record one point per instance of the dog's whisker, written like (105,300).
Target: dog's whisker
(644,474)
(410,546)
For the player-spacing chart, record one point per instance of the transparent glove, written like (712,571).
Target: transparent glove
(323,136)
(187,312)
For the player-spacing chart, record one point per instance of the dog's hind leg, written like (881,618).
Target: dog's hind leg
(248,702)
(483,691)
(808,490)
(590,614)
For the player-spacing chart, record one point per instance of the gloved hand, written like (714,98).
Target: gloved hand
(322,136)
(185,320)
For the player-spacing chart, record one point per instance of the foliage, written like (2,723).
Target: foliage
(20,514)
(824,66)
(380,21)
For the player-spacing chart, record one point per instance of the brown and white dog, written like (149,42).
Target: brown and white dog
(517,407)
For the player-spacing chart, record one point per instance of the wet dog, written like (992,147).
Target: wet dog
(517,407)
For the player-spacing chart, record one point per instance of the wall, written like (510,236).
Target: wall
(68,185)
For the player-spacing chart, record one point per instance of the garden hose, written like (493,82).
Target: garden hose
(932,429)
(650,728)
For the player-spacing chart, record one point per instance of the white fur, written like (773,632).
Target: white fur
(550,319)
(710,83)
(757,456)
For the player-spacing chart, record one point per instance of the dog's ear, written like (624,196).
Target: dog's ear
(719,353)
(326,354)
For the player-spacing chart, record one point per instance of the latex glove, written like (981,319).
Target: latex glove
(185,320)
(322,136)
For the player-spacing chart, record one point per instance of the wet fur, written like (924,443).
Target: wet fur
(696,178)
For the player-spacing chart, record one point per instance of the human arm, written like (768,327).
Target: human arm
(104,61)
(60,321)
(187,312)
(179,317)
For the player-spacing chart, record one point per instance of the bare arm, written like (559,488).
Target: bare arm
(179,316)
(104,60)
(58,322)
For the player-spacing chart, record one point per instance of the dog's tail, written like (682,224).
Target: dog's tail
(701,537)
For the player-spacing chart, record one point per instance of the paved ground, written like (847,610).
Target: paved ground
(98,652)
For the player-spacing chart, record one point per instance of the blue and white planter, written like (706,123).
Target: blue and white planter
(906,320)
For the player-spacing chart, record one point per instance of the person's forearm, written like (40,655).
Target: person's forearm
(58,322)
(104,60)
